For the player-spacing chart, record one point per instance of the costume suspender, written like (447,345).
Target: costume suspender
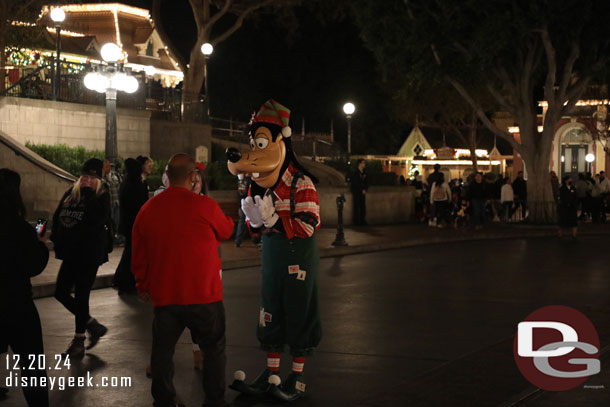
(293,188)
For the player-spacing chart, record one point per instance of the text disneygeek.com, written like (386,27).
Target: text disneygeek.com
(26,373)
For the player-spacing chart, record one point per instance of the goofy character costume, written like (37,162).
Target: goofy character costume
(283,204)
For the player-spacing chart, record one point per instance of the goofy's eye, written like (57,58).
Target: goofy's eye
(251,144)
(261,142)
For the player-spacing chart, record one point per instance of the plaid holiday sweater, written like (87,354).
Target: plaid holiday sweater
(306,219)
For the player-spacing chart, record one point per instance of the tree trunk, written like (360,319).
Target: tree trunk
(472,144)
(193,107)
(540,201)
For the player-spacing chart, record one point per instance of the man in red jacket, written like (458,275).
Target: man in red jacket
(176,264)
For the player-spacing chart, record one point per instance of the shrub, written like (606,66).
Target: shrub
(68,158)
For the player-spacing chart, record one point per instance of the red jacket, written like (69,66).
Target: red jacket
(175,248)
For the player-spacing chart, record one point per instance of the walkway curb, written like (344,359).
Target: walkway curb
(105,281)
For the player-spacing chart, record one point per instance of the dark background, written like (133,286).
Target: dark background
(309,58)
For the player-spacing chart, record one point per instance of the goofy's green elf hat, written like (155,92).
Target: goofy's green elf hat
(274,113)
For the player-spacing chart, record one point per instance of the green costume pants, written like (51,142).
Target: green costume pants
(289,312)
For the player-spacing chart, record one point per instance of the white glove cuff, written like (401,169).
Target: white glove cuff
(272,221)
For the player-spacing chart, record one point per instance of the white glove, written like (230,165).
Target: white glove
(267,210)
(251,211)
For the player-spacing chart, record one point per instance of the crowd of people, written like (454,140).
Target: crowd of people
(483,198)
(101,206)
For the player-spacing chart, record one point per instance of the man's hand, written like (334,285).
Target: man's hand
(144,296)
(364,192)
(267,210)
(251,211)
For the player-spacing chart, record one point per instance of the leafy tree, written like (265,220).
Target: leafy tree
(518,51)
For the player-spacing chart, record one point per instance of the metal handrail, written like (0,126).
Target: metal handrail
(19,82)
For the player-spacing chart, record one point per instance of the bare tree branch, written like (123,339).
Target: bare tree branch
(528,73)
(198,9)
(240,20)
(551,62)
(225,8)
(509,107)
(504,134)
(573,94)
(568,70)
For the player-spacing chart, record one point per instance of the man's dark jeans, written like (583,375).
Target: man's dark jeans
(207,323)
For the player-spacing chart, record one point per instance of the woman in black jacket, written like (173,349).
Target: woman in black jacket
(568,205)
(132,195)
(24,255)
(80,240)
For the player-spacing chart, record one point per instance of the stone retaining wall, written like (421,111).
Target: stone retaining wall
(48,122)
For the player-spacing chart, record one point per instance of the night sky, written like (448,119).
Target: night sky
(310,65)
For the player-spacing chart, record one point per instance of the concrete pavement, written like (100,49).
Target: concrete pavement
(360,240)
(431,325)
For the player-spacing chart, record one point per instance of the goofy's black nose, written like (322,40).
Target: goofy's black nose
(233,154)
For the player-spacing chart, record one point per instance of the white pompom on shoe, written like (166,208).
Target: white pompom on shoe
(275,380)
(239,375)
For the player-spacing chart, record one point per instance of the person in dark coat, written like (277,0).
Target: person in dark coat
(568,205)
(24,255)
(80,240)
(359,186)
(520,191)
(132,195)
(477,196)
(434,176)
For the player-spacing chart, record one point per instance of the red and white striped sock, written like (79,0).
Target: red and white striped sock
(273,361)
(298,363)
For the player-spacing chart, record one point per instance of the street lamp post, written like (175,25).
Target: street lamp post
(589,158)
(349,110)
(206,50)
(58,16)
(109,79)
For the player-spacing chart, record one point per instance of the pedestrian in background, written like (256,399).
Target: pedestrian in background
(132,195)
(243,184)
(433,177)
(184,280)
(200,187)
(80,241)
(583,193)
(112,181)
(568,207)
(24,255)
(359,187)
(440,194)
(507,198)
(477,195)
(520,191)
(164,183)
(146,165)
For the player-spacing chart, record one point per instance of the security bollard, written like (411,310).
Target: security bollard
(340,238)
